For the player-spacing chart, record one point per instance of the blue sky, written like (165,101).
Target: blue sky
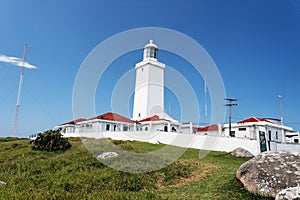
(254,43)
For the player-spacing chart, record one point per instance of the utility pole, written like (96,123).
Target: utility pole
(230,104)
(19,92)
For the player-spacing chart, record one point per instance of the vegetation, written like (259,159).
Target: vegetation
(76,174)
(50,140)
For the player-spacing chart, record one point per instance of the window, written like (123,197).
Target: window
(147,53)
(232,133)
(139,114)
(125,128)
(242,129)
(276,135)
(115,127)
(152,51)
(146,128)
(107,127)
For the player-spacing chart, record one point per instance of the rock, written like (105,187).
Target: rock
(2,183)
(292,193)
(270,172)
(107,155)
(241,153)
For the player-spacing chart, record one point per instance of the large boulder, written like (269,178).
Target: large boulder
(270,172)
(241,153)
(289,194)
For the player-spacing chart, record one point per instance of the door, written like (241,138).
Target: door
(262,141)
(166,129)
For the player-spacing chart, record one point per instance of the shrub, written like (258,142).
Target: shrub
(51,140)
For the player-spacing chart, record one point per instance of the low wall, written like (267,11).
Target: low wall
(227,144)
(204,142)
(287,146)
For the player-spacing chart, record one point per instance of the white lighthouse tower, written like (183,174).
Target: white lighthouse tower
(149,85)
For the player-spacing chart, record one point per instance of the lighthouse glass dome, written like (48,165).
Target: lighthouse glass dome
(150,50)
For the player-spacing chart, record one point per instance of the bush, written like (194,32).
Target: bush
(50,140)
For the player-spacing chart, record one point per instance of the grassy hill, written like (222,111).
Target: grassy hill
(76,174)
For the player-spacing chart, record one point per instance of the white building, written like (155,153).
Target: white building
(108,122)
(266,131)
(293,137)
(149,119)
(149,85)
(189,127)
(148,105)
(213,130)
(70,129)
(155,123)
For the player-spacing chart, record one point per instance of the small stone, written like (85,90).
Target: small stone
(2,183)
(107,155)
(297,173)
(241,153)
(292,193)
(295,153)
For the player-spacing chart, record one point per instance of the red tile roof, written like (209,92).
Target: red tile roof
(213,127)
(253,119)
(73,121)
(113,117)
(153,118)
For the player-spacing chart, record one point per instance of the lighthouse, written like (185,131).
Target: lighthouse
(149,85)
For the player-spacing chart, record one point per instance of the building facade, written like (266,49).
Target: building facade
(155,123)
(149,85)
(268,132)
(108,122)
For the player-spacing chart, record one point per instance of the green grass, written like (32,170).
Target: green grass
(76,174)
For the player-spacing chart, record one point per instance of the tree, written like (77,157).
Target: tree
(51,140)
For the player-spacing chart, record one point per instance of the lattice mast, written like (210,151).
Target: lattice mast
(205,100)
(19,92)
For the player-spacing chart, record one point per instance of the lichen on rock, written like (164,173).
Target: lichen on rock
(270,172)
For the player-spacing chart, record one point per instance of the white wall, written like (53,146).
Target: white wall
(149,89)
(215,143)
(140,93)
(209,132)
(287,146)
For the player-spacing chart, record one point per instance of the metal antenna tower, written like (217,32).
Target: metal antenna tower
(205,99)
(230,104)
(281,112)
(19,92)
